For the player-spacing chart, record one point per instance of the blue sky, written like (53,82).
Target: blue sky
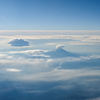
(49,49)
(49,14)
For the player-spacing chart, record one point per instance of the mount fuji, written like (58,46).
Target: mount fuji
(59,53)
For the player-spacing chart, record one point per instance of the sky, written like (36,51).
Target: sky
(49,15)
(49,50)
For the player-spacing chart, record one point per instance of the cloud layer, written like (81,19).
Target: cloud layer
(26,73)
(26,78)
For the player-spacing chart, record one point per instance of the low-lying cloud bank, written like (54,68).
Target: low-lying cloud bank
(41,69)
(23,76)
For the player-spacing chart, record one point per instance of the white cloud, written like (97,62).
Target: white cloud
(4,56)
(35,32)
(60,46)
(78,39)
(81,35)
(62,74)
(74,59)
(51,43)
(40,55)
(28,51)
(46,69)
(80,43)
(13,70)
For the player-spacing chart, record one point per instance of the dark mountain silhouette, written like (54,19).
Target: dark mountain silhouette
(59,53)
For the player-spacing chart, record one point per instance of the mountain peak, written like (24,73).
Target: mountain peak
(59,50)
(59,53)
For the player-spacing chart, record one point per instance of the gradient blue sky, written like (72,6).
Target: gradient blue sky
(49,14)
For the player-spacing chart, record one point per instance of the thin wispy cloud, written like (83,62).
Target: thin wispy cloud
(13,70)
(50,32)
